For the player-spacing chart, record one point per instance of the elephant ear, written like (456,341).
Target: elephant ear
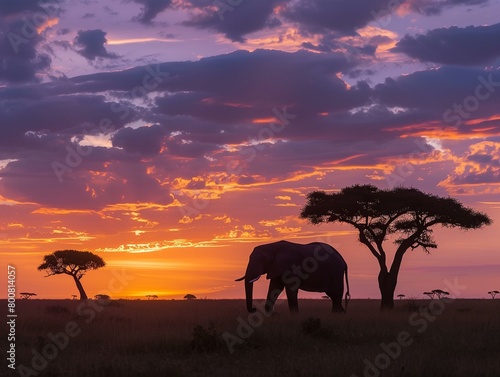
(284,259)
(255,267)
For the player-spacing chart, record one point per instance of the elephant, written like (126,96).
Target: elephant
(313,267)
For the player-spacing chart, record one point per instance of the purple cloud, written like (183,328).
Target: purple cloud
(472,45)
(234,21)
(146,141)
(436,7)
(151,8)
(91,44)
(345,17)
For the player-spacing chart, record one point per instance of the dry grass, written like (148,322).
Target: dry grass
(183,338)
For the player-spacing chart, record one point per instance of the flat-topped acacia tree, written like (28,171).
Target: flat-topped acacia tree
(407,215)
(71,262)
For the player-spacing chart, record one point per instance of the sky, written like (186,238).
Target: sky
(171,137)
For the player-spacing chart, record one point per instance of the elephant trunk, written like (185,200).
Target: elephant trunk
(249,296)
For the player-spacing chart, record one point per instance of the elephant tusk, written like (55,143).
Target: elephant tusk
(255,279)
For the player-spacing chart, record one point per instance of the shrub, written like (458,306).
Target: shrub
(56,309)
(205,339)
(310,325)
(412,304)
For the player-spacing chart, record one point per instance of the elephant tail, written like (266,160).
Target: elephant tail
(347,294)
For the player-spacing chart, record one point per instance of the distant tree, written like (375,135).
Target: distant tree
(493,293)
(406,214)
(430,294)
(102,297)
(401,296)
(73,297)
(152,297)
(27,295)
(440,293)
(71,262)
(189,296)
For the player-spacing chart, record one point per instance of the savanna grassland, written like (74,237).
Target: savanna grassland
(186,338)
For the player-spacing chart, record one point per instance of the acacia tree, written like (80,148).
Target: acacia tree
(27,295)
(440,293)
(493,293)
(406,215)
(71,262)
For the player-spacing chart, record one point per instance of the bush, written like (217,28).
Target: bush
(411,304)
(205,339)
(56,309)
(310,325)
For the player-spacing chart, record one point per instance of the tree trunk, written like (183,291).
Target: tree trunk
(387,293)
(387,285)
(387,280)
(83,295)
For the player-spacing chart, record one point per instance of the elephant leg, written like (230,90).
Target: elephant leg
(293,303)
(336,297)
(275,288)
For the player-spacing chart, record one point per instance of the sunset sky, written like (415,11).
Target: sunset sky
(172,136)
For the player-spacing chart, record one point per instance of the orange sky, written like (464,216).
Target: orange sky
(167,255)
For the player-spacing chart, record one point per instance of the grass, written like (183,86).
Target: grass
(185,338)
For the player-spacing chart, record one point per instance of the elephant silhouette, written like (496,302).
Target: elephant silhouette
(313,267)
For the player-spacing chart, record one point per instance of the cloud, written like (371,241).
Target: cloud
(47,121)
(435,91)
(222,119)
(345,17)
(436,7)
(224,88)
(92,184)
(151,8)
(22,27)
(481,166)
(146,141)
(472,45)
(14,7)
(237,19)
(91,44)
(233,21)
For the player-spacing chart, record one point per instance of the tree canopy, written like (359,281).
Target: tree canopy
(405,214)
(493,293)
(27,295)
(71,262)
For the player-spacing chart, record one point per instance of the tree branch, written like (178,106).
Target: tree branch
(365,241)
